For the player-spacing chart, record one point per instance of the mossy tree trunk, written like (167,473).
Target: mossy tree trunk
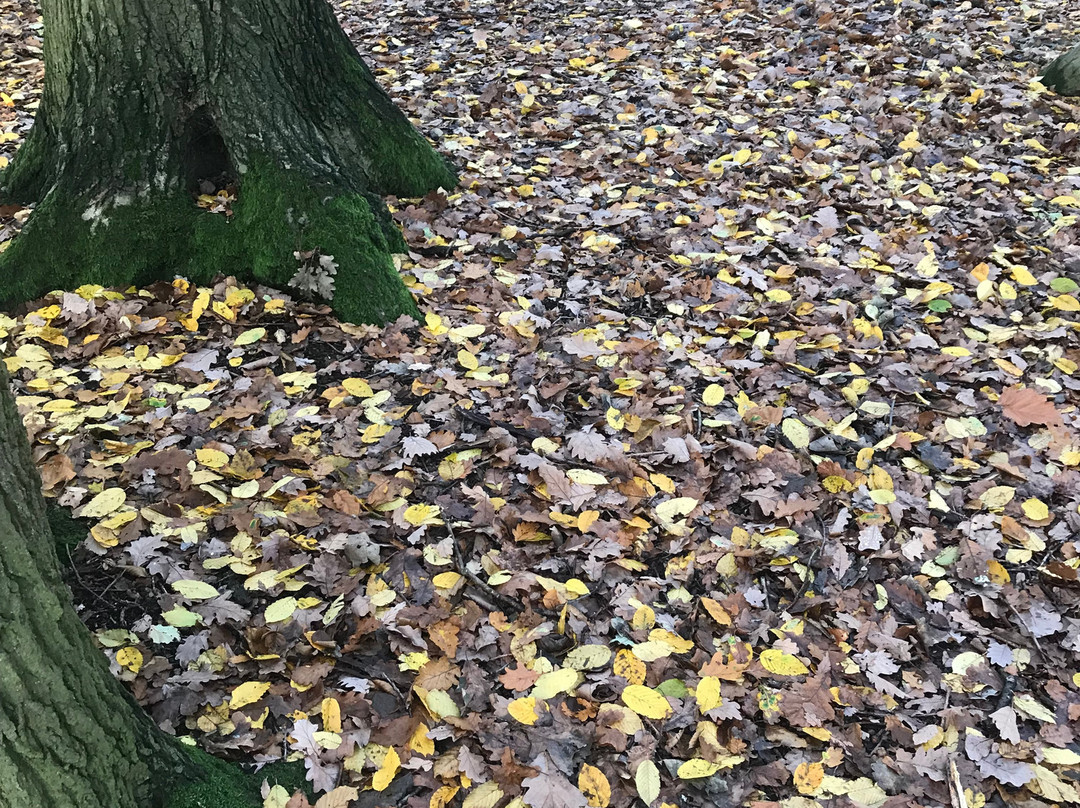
(1063,74)
(70,737)
(144,99)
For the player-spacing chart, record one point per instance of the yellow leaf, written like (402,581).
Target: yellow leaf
(246,490)
(629,667)
(357,387)
(446,580)
(647,781)
(524,710)
(696,768)
(614,418)
(1022,276)
(673,641)
(561,680)
(644,617)
(387,772)
(1051,787)
(280,610)
(250,336)
(195,590)
(782,664)
(586,477)
(713,395)
(667,512)
(420,742)
(1060,757)
(595,786)
(130,658)
(716,611)
(421,514)
(1033,709)
(434,324)
(180,617)
(708,693)
(1036,510)
(1000,178)
(646,702)
(195,404)
(797,432)
(545,445)
(103,504)
(882,496)
(438,702)
(211,458)
(588,657)
(911,141)
(444,796)
(247,693)
(467,360)
(663,482)
(331,715)
(997,497)
(808,777)
(997,573)
(485,795)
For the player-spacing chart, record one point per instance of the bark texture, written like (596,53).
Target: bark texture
(144,99)
(70,737)
(1063,74)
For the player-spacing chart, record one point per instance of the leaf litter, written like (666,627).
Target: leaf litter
(735,460)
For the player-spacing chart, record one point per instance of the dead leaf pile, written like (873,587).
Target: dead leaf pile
(735,459)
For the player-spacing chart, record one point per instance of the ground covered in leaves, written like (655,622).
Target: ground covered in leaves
(735,460)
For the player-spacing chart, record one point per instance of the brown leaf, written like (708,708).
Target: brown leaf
(57,469)
(438,674)
(1025,406)
(518,678)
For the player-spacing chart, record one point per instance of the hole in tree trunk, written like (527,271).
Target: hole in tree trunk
(205,161)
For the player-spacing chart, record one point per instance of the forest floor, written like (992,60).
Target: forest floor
(734,462)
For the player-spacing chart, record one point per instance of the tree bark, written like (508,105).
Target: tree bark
(1063,74)
(70,736)
(145,99)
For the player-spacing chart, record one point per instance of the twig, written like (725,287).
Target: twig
(813,556)
(956,788)
(1027,630)
(483,420)
(490,593)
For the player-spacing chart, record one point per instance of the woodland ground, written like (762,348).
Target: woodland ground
(736,459)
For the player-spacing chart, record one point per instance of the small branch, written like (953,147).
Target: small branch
(490,594)
(1027,630)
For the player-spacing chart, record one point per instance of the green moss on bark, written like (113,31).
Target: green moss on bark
(126,240)
(1063,74)
(279,212)
(67,531)
(401,161)
(25,179)
(227,786)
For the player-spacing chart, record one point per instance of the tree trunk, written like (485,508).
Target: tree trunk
(70,737)
(1063,74)
(145,99)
